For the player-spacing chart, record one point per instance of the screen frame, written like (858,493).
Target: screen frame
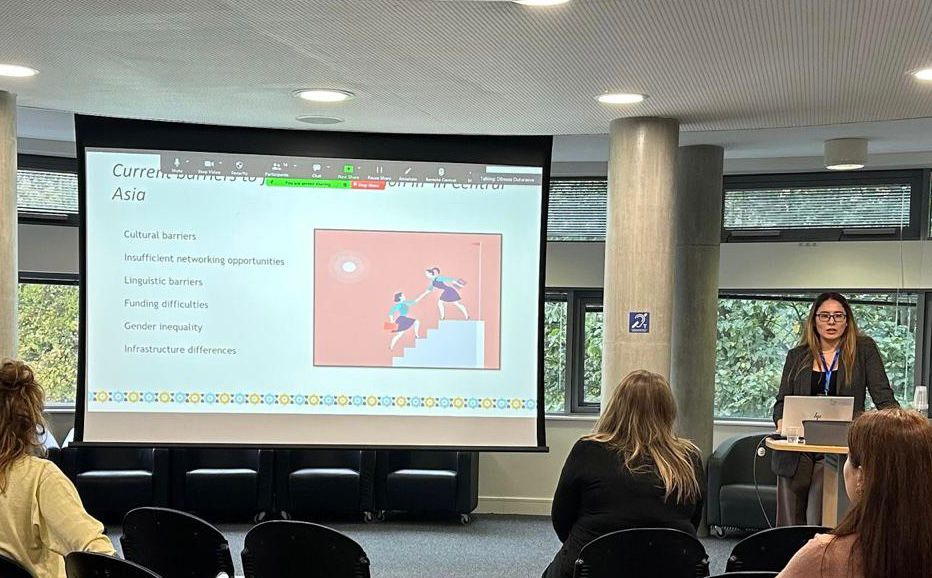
(120,133)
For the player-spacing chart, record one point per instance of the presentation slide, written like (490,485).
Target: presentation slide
(264,299)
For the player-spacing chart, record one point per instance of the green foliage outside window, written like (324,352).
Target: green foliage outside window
(48,337)
(555,356)
(592,365)
(755,333)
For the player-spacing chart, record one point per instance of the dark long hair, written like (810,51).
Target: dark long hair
(849,339)
(892,517)
(21,421)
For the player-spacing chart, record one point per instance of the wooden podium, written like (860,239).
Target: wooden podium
(834,495)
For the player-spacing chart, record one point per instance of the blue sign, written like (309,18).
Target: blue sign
(638,321)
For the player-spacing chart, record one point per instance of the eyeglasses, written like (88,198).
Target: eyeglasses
(836,317)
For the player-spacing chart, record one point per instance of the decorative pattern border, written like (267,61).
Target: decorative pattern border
(312,400)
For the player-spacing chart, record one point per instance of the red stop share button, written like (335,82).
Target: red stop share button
(368,185)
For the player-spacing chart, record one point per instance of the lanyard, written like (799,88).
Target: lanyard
(828,370)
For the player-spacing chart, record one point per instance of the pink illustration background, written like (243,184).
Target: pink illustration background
(357,273)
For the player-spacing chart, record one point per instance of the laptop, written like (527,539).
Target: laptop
(797,408)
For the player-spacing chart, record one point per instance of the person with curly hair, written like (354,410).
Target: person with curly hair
(41,516)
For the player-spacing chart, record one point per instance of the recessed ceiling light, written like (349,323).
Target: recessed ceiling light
(540,2)
(324,94)
(845,154)
(17,71)
(620,98)
(315,119)
(924,74)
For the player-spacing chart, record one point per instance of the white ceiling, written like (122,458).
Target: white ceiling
(763,78)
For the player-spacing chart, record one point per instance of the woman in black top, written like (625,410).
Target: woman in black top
(631,472)
(832,358)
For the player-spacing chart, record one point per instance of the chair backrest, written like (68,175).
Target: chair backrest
(643,552)
(288,549)
(115,458)
(771,550)
(736,458)
(93,565)
(219,458)
(12,569)
(421,460)
(174,544)
(299,459)
(746,575)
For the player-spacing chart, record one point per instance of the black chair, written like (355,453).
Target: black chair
(427,482)
(310,483)
(10,568)
(290,549)
(174,544)
(114,480)
(732,496)
(223,483)
(643,553)
(746,575)
(93,565)
(771,550)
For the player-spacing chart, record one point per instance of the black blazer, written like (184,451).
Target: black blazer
(868,375)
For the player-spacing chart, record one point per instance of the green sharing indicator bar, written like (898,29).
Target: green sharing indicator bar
(358,184)
(310,183)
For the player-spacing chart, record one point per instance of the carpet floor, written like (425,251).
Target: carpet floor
(491,546)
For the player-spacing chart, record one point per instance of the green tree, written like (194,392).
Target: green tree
(555,356)
(754,335)
(48,337)
(592,364)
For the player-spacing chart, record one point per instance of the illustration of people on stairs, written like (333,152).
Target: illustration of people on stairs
(400,318)
(449,294)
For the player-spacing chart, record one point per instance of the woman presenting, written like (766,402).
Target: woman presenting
(832,358)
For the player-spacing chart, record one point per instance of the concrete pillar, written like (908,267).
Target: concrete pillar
(697,222)
(9,271)
(639,247)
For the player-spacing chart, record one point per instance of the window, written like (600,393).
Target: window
(783,207)
(555,353)
(48,334)
(576,210)
(572,350)
(879,204)
(592,353)
(47,189)
(756,331)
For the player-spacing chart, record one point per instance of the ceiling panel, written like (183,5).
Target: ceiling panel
(476,67)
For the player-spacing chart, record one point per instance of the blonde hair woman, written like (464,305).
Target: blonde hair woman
(632,471)
(41,516)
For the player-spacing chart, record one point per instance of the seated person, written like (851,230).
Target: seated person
(41,516)
(631,472)
(888,530)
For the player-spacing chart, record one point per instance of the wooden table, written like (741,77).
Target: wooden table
(834,495)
